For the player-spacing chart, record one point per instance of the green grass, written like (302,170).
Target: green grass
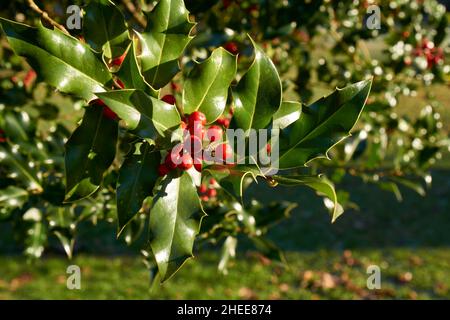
(318,275)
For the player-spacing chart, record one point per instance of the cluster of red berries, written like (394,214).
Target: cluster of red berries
(2,136)
(191,153)
(208,192)
(433,55)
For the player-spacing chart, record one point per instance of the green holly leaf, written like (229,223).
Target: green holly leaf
(61,60)
(322,125)
(288,113)
(142,114)
(206,87)
(10,198)
(320,184)
(19,169)
(89,153)
(165,38)
(257,97)
(174,222)
(131,76)
(231,178)
(137,178)
(104,28)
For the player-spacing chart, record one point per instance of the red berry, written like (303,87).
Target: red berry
(186,162)
(204,198)
(163,170)
(120,83)
(194,146)
(224,152)
(175,87)
(223,122)
(170,99)
(269,148)
(2,139)
(172,160)
(197,116)
(198,165)
(97,102)
(212,181)
(231,47)
(108,113)
(212,193)
(214,133)
(117,62)
(29,78)
(203,188)
(226,3)
(197,130)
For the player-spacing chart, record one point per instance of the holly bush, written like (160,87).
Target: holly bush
(163,98)
(317,45)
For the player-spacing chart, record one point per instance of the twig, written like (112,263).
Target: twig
(46,17)
(132,10)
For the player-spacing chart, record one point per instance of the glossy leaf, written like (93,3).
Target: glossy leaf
(206,87)
(174,222)
(163,41)
(257,97)
(320,184)
(61,60)
(89,153)
(288,113)
(131,76)
(19,168)
(11,197)
(137,178)
(104,28)
(231,178)
(142,114)
(322,125)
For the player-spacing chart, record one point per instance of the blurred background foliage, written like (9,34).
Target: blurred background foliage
(392,175)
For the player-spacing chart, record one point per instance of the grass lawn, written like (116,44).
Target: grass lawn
(422,274)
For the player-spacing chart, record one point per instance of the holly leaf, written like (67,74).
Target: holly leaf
(231,178)
(320,184)
(257,97)
(288,113)
(10,198)
(89,153)
(61,60)
(104,28)
(174,222)
(131,76)
(206,86)
(322,125)
(165,38)
(137,178)
(19,169)
(142,114)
